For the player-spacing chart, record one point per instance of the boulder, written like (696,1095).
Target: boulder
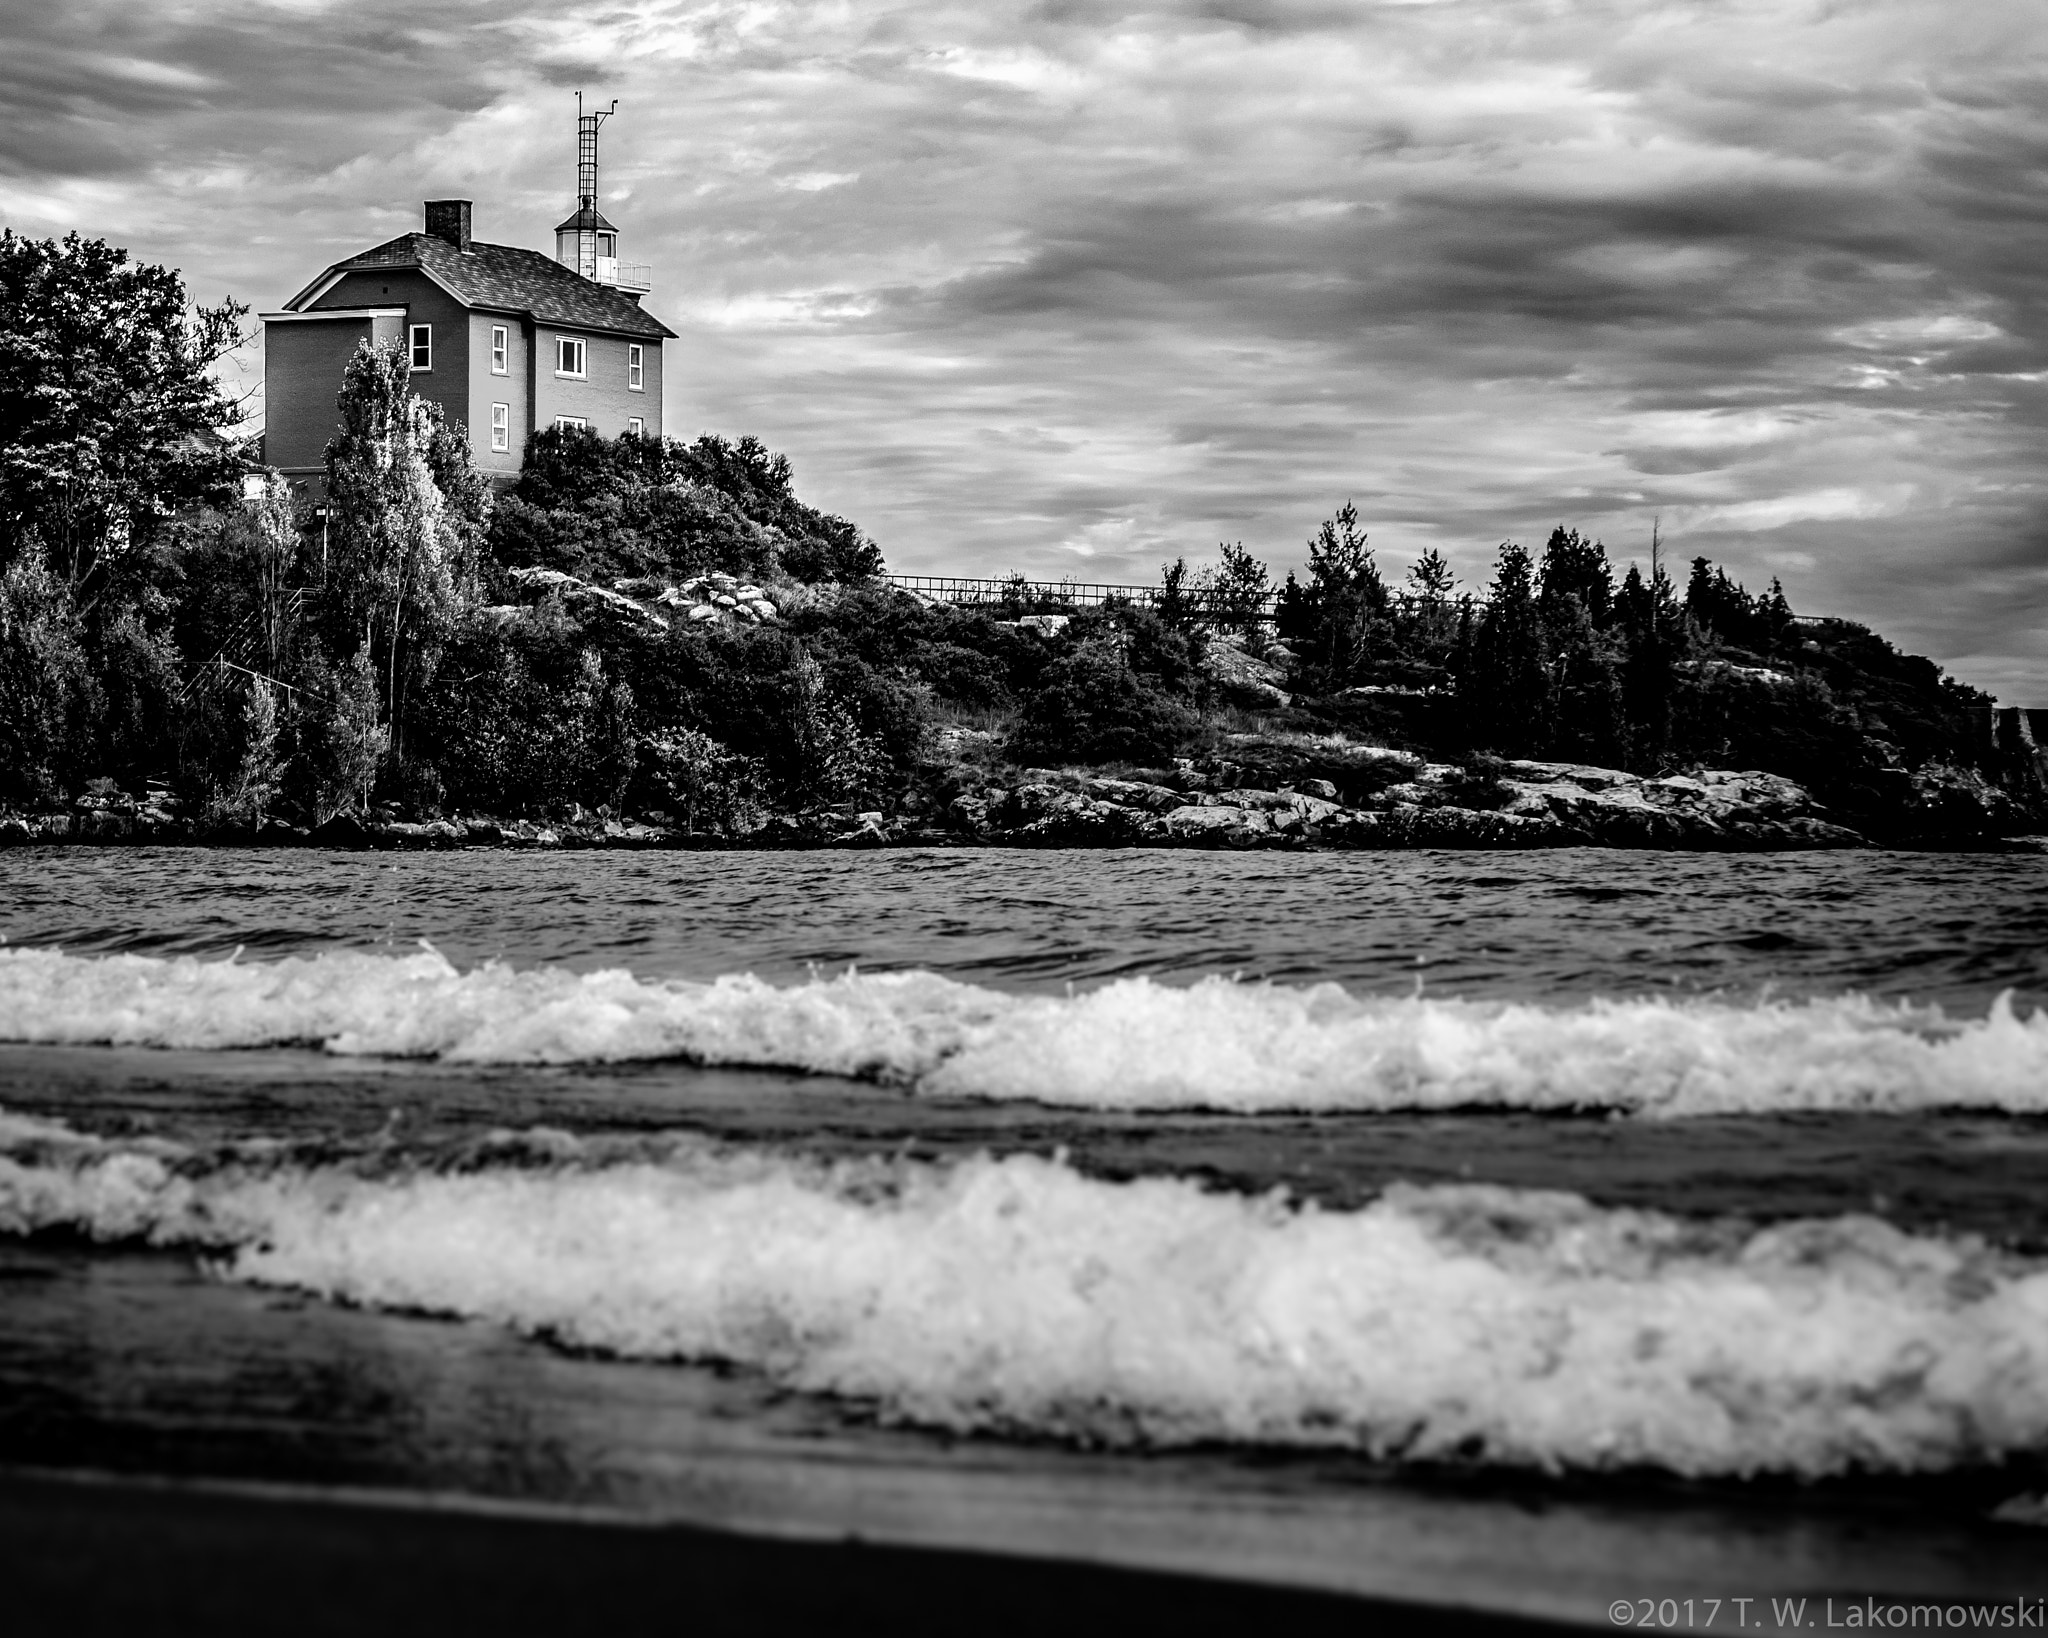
(968,815)
(1214,826)
(1947,805)
(343,830)
(1263,801)
(1441,827)
(867,831)
(1132,793)
(1044,815)
(1244,680)
(1714,809)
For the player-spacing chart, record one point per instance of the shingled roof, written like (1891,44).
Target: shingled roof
(503,279)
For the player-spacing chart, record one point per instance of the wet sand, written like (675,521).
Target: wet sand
(82,1555)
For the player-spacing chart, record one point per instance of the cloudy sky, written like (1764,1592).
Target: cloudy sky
(1072,288)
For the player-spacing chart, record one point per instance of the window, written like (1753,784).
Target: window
(635,373)
(501,426)
(569,356)
(635,426)
(564,422)
(607,245)
(423,346)
(498,349)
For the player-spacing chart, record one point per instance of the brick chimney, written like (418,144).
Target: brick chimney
(449,219)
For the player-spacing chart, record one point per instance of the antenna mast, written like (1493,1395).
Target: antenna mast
(586,151)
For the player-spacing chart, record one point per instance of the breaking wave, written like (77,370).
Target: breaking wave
(1132,1044)
(1462,1324)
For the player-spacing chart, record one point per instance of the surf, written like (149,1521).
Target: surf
(1461,1324)
(1131,1044)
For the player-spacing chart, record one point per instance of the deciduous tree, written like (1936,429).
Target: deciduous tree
(110,416)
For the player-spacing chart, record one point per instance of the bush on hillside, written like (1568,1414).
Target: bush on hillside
(611,508)
(1092,706)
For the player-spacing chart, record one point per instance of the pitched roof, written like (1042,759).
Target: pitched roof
(506,279)
(587,216)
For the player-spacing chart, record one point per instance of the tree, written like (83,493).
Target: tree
(1720,605)
(1576,568)
(1236,593)
(630,507)
(1426,627)
(1430,579)
(1345,597)
(1294,615)
(1179,603)
(273,530)
(109,415)
(1653,636)
(1505,686)
(398,553)
(46,694)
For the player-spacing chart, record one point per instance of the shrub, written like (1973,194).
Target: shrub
(1477,784)
(1091,706)
(706,783)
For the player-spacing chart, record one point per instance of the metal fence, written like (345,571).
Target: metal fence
(1015,589)
(1050,596)
(949,588)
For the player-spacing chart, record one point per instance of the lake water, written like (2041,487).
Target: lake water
(1525,1230)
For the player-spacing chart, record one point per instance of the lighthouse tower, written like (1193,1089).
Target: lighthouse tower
(587,241)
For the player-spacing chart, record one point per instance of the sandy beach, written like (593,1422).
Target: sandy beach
(87,1554)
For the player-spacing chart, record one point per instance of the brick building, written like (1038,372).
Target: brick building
(505,340)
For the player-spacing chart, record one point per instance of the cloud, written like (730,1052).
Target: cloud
(1078,288)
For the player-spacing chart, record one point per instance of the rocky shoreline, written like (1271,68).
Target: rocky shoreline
(1364,798)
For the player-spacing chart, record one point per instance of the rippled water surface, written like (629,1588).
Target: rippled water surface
(1551,925)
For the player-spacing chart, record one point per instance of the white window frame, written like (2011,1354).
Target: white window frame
(636,367)
(420,339)
(501,350)
(582,353)
(636,426)
(501,429)
(608,245)
(564,422)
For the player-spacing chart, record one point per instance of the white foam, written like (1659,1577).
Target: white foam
(1451,1323)
(1133,1044)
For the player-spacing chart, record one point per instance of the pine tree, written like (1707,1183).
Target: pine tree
(1574,567)
(1653,637)
(1506,686)
(1346,597)
(1177,602)
(1430,578)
